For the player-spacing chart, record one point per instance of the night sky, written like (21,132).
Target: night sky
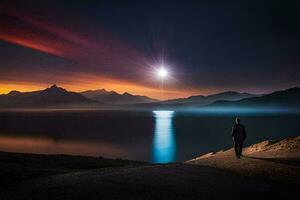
(208,46)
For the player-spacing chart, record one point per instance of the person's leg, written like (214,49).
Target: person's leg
(240,148)
(236,150)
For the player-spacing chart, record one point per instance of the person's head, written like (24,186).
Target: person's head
(237,120)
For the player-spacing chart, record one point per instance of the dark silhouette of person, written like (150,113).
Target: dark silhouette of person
(238,135)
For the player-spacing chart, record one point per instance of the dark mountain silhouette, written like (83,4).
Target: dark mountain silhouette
(112,97)
(50,96)
(57,96)
(284,98)
(201,100)
(14,93)
(289,98)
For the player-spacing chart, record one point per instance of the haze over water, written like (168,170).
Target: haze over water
(158,136)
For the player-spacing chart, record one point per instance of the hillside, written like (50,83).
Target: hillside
(274,160)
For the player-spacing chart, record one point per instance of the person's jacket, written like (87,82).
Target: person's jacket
(238,132)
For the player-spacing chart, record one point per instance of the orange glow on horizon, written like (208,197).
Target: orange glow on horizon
(8,87)
(79,83)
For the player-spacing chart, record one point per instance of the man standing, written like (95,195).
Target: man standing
(238,135)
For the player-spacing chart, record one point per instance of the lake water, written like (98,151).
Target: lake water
(157,136)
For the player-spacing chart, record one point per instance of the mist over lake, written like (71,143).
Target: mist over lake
(159,136)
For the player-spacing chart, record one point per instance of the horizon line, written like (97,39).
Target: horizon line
(223,91)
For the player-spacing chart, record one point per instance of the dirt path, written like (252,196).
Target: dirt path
(176,181)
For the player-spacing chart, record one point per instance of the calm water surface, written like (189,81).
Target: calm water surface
(158,136)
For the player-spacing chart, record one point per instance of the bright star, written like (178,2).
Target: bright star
(162,72)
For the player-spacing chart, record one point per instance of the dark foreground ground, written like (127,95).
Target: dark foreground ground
(28,176)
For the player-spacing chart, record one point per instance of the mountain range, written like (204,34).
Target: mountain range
(285,98)
(289,98)
(51,96)
(57,96)
(60,97)
(112,97)
(201,100)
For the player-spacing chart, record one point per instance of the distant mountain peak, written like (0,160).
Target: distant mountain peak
(98,90)
(14,93)
(230,92)
(55,88)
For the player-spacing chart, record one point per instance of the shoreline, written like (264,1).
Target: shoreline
(212,176)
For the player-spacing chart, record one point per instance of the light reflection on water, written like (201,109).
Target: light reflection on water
(164,144)
(49,146)
(158,136)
